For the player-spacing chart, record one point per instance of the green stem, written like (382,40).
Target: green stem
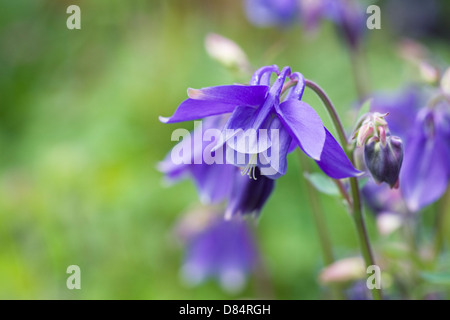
(331,111)
(360,72)
(440,226)
(321,226)
(358,217)
(319,219)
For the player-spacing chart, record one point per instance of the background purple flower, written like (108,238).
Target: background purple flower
(224,250)
(268,13)
(425,171)
(426,168)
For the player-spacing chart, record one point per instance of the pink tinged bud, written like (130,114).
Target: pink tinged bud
(378,119)
(384,161)
(445,82)
(343,270)
(429,73)
(365,132)
(382,136)
(226,52)
(388,223)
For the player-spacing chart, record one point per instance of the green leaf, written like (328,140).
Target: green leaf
(322,183)
(436,278)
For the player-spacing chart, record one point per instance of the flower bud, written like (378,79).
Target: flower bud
(369,127)
(343,270)
(383,156)
(445,82)
(227,52)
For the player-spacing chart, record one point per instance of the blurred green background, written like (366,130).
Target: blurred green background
(80,140)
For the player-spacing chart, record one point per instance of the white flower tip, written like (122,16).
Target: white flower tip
(164,119)
(196,94)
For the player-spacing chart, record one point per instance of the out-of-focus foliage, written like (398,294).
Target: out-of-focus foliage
(80,139)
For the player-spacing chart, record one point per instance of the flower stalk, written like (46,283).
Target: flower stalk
(357,213)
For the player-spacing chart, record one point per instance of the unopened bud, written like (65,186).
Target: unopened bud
(429,73)
(226,52)
(445,82)
(343,270)
(384,160)
(370,127)
(365,132)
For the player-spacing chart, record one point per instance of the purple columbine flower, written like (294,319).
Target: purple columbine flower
(213,182)
(268,13)
(349,17)
(248,196)
(224,250)
(216,182)
(426,134)
(426,166)
(256,108)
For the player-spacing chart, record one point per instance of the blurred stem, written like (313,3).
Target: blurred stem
(440,224)
(360,72)
(321,226)
(358,217)
(343,191)
(319,218)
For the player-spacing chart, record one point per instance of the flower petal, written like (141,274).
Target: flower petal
(248,196)
(334,161)
(213,181)
(424,174)
(304,125)
(191,109)
(238,95)
(240,134)
(273,162)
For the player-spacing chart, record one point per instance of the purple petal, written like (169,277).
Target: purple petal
(262,75)
(240,134)
(296,92)
(237,95)
(213,181)
(304,125)
(248,196)
(292,146)
(191,109)
(273,162)
(224,249)
(402,108)
(424,174)
(334,161)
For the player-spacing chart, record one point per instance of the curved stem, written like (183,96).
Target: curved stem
(331,111)
(358,217)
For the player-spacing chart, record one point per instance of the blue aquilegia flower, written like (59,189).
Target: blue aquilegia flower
(213,182)
(264,125)
(426,167)
(216,182)
(221,249)
(347,15)
(268,13)
(426,132)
